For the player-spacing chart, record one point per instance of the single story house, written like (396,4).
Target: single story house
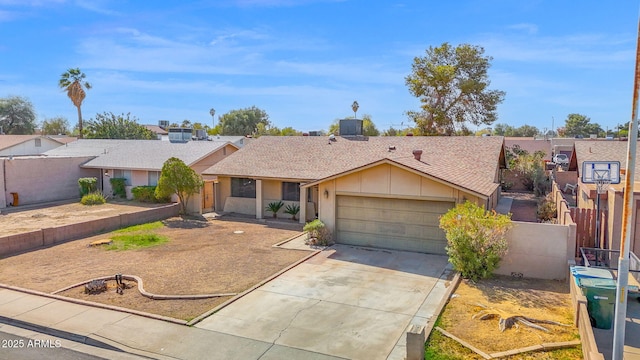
(26,145)
(612,198)
(386,192)
(140,161)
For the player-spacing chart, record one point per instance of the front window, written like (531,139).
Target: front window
(126,174)
(291,191)
(153,178)
(243,187)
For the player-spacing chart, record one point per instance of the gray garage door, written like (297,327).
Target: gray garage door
(398,224)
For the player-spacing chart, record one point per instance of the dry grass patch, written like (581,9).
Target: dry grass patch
(537,299)
(200,257)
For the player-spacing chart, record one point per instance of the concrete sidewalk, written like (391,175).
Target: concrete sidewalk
(352,293)
(116,335)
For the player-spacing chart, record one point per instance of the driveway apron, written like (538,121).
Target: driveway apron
(347,302)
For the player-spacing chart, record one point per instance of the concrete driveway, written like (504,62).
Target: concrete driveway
(345,302)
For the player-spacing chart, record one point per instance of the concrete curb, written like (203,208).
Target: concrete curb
(94,304)
(144,293)
(455,281)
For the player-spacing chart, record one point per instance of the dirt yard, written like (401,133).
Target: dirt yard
(16,220)
(201,257)
(509,296)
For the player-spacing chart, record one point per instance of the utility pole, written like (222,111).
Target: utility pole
(620,318)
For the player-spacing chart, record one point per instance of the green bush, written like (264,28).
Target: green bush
(274,207)
(317,233)
(293,210)
(147,194)
(87,185)
(94,198)
(118,187)
(476,239)
(546,209)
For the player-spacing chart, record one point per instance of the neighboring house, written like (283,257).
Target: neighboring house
(140,161)
(386,192)
(24,145)
(612,200)
(161,133)
(514,180)
(531,145)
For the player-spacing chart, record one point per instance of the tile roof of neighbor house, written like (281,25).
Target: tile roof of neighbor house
(603,150)
(467,162)
(156,129)
(136,154)
(7,141)
(531,145)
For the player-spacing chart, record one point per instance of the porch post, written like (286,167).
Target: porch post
(258,199)
(303,205)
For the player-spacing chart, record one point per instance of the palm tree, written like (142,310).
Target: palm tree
(72,81)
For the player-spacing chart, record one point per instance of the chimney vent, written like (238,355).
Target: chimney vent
(417,154)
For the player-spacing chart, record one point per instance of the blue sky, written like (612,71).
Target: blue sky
(305,61)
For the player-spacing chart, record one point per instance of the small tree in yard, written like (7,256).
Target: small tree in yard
(476,239)
(178,178)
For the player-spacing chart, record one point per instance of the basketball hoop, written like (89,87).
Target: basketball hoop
(603,174)
(602,180)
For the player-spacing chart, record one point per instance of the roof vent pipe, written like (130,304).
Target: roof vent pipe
(417,154)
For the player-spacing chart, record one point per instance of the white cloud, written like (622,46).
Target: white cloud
(528,28)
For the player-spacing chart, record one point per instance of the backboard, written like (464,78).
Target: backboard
(594,171)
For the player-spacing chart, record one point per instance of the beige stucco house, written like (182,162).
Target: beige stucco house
(372,191)
(140,162)
(612,200)
(26,145)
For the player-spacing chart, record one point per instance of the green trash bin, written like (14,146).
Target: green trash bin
(601,300)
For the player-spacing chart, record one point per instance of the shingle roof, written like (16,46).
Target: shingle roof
(7,141)
(531,145)
(468,162)
(156,129)
(603,150)
(136,154)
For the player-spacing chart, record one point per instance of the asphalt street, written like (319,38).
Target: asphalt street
(14,347)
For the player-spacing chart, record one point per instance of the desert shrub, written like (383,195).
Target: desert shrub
(541,182)
(147,194)
(293,210)
(87,185)
(546,209)
(476,239)
(118,186)
(274,207)
(317,233)
(94,198)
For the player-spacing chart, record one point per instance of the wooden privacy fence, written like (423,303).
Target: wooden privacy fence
(585,220)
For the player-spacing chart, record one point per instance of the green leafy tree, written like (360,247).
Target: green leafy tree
(368,127)
(476,239)
(55,126)
(17,116)
(453,87)
(510,131)
(623,130)
(580,125)
(530,167)
(178,178)
(289,131)
(244,121)
(73,82)
(111,126)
